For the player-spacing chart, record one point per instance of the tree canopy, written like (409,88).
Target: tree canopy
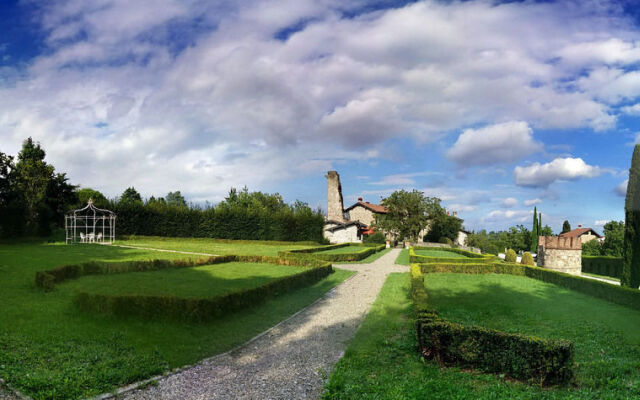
(408,214)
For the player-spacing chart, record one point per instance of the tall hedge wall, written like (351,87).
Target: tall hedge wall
(605,266)
(287,224)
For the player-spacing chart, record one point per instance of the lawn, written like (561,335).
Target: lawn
(50,350)
(344,250)
(214,246)
(382,362)
(403,257)
(438,253)
(204,281)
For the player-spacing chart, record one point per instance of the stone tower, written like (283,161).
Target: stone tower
(335,206)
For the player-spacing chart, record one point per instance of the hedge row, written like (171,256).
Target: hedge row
(547,362)
(220,222)
(316,253)
(616,294)
(195,309)
(472,258)
(605,266)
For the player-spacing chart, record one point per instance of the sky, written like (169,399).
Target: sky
(494,107)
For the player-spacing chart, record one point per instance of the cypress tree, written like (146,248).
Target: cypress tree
(534,231)
(539,224)
(631,251)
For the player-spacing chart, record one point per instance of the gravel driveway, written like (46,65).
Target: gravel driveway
(293,359)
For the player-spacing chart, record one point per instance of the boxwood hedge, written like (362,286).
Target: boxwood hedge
(316,252)
(472,258)
(603,265)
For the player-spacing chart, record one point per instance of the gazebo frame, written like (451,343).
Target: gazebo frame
(90,225)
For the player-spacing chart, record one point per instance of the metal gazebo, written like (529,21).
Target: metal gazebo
(90,225)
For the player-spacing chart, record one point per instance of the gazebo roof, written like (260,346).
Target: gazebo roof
(90,208)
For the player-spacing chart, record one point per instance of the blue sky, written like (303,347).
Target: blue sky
(492,106)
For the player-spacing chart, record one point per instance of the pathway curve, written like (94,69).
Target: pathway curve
(293,359)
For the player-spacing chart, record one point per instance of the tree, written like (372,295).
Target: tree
(631,251)
(61,196)
(534,231)
(99,200)
(32,178)
(613,244)
(175,199)
(527,259)
(443,226)
(131,195)
(511,256)
(546,231)
(592,248)
(566,226)
(7,168)
(408,214)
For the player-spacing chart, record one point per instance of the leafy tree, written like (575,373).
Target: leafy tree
(631,252)
(7,168)
(99,200)
(376,237)
(443,226)
(175,199)
(591,248)
(61,196)
(131,195)
(408,214)
(546,231)
(566,226)
(534,231)
(527,259)
(33,175)
(613,244)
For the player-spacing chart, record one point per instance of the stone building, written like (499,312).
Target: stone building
(562,254)
(364,212)
(585,234)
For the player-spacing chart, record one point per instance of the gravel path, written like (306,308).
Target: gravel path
(293,359)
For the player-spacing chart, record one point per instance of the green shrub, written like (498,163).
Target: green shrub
(511,256)
(376,237)
(602,265)
(316,253)
(472,258)
(542,361)
(445,240)
(527,259)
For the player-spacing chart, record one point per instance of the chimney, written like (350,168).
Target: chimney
(579,226)
(360,199)
(335,205)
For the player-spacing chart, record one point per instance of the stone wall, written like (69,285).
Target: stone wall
(560,254)
(347,235)
(335,205)
(361,214)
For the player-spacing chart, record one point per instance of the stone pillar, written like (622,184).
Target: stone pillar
(560,254)
(335,205)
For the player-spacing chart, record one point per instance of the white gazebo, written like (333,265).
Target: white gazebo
(90,225)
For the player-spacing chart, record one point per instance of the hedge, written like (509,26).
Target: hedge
(605,266)
(543,361)
(472,258)
(195,309)
(316,253)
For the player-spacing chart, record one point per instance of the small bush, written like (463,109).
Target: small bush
(511,256)
(445,240)
(527,259)
(376,237)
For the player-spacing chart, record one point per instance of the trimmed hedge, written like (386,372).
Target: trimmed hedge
(543,361)
(472,258)
(603,265)
(195,309)
(315,253)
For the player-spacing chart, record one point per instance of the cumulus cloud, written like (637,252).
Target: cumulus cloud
(508,216)
(195,95)
(600,222)
(631,110)
(621,189)
(532,202)
(499,143)
(509,202)
(566,169)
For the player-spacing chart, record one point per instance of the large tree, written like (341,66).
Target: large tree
(442,225)
(535,231)
(131,195)
(408,214)
(613,244)
(175,199)
(631,252)
(566,226)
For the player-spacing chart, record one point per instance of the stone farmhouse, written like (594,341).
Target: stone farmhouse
(585,234)
(350,224)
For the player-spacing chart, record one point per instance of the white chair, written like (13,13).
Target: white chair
(83,238)
(92,237)
(99,237)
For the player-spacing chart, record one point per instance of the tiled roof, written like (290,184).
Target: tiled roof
(579,232)
(376,208)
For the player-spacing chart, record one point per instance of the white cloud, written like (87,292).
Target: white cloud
(508,217)
(631,110)
(200,96)
(621,189)
(499,143)
(542,175)
(532,202)
(509,202)
(600,222)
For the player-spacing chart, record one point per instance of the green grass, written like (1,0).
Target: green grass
(343,250)
(205,281)
(214,246)
(382,361)
(403,257)
(373,257)
(50,350)
(438,253)
(611,278)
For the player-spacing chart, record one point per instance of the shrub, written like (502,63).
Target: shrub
(472,258)
(511,256)
(527,259)
(376,237)
(315,253)
(445,240)
(602,265)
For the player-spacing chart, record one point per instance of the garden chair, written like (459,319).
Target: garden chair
(99,237)
(92,237)
(83,238)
